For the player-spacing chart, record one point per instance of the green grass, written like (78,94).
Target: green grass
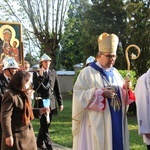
(60,129)
(136,140)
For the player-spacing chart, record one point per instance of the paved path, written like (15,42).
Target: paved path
(59,147)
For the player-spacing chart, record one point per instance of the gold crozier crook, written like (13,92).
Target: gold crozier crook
(133,56)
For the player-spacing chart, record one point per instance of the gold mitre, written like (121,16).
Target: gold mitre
(108,43)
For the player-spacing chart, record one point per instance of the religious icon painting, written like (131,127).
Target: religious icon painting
(11,41)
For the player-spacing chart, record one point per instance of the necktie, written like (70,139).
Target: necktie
(8,79)
(45,73)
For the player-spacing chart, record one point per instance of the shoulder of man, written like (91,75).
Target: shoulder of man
(35,73)
(2,77)
(1,74)
(52,71)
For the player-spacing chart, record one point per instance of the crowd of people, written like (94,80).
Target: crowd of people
(101,97)
(18,87)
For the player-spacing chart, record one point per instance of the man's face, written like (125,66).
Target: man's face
(11,71)
(46,64)
(107,60)
(27,67)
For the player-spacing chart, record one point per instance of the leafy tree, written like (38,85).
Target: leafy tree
(31,59)
(42,21)
(130,21)
(72,51)
(85,25)
(138,29)
(107,16)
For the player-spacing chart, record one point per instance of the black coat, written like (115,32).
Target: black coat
(3,87)
(47,86)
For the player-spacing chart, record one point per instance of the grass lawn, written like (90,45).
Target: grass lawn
(61,128)
(136,141)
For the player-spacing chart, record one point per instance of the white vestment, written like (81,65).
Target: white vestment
(142,93)
(92,130)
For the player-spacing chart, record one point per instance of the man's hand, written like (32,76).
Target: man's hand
(108,93)
(127,84)
(61,107)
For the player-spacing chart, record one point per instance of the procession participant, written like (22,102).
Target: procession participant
(100,99)
(48,91)
(143,101)
(10,66)
(26,66)
(89,60)
(17,113)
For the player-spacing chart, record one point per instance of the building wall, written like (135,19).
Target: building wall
(66,79)
(66,83)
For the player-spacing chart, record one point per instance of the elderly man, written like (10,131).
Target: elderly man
(100,99)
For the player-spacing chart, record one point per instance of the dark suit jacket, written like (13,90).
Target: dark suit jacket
(53,92)
(3,85)
(3,88)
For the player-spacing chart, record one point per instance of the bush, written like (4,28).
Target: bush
(131,75)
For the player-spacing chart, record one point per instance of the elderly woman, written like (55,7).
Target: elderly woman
(17,113)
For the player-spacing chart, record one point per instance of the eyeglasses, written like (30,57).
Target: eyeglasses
(111,56)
